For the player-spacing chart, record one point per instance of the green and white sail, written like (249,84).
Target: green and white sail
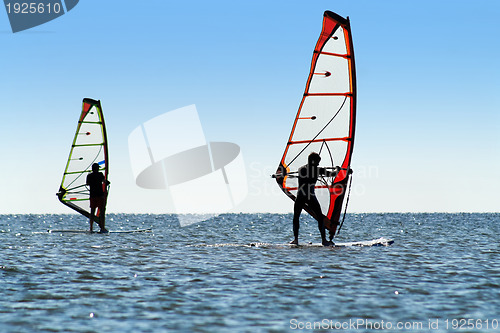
(90,145)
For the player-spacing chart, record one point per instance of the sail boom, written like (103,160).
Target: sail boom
(316,187)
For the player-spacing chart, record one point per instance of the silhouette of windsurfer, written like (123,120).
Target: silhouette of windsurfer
(98,194)
(308,175)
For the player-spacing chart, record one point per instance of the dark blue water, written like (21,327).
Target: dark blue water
(442,274)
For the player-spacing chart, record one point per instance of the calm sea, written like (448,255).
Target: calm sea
(442,274)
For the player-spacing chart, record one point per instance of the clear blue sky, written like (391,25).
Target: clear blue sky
(428,126)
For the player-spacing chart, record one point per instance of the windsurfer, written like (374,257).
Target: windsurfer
(98,194)
(308,175)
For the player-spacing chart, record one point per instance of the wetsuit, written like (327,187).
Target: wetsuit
(97,195)
(94,181)
(308,175)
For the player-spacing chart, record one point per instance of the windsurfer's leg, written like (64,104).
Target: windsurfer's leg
(102,216)
(91,219)
(333,229)
(297,209)
(103,227)
(314,204)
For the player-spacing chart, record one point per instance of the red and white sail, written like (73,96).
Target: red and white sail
(325,120)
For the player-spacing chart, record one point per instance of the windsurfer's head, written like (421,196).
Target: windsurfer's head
(314,159)
(95,167)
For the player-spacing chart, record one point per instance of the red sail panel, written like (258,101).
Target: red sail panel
(325,121)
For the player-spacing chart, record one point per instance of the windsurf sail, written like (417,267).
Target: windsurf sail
(90,146)
(325,121)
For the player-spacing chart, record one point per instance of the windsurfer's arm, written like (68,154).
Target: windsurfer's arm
(106,186)
(335,171)
(293,174)
(327,173)
(104,180)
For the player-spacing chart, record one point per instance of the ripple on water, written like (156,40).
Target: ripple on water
(440,266)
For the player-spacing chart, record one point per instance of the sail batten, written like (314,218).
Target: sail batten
(347,56)
(89,146)
(329,106)
(321,140)
(347,94)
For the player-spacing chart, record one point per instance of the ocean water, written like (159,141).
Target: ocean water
(442,274)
